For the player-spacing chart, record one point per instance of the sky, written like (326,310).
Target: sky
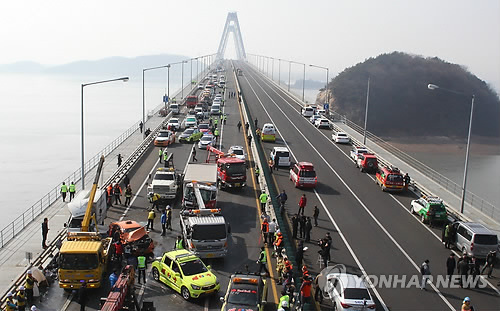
(329,33)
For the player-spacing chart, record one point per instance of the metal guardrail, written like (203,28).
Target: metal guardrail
(474,200)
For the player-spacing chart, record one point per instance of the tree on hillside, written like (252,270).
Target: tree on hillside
(401,103)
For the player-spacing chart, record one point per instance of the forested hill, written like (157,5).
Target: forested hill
(401,104)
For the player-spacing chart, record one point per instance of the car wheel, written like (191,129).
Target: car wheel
(422,219)
(185,293)
(156,274)
(412,210)
(361,169)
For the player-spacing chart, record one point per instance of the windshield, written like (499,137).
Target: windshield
(486,239)
(189,131)
(128,230)
(341,135)
(356,293)
(164,177)
(396,178)
(209,232)
(203,126)
(207,138)
(243,296)
(238,151)
(78,261)
(235,168)
(282,154)
(307,174)
(173,121)
(164,134)
(193,267)
(191,120)
(207,195)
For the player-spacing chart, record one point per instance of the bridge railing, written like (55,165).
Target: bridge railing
(470,198)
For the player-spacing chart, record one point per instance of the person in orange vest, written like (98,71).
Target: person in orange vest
(264,228)
(117,192)
(109,195)
(278,244)
(305,291)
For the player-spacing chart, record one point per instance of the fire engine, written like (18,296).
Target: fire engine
(231,171)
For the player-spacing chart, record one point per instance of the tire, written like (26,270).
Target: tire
(156,274)
(361,169)
(422,219)
(412,210)
(185,293)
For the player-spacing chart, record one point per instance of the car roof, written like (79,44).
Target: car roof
(236,147)
(349,280)
(125,224)
(173,119)
(281,149)
(477,228)
(181,255)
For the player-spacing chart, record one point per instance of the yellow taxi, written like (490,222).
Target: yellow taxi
(185,273)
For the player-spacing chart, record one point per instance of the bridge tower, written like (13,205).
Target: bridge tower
(232,26)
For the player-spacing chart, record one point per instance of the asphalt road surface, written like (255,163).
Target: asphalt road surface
(373,231)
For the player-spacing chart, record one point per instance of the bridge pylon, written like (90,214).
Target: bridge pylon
(232,26)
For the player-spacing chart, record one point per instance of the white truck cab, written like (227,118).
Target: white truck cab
(165,183)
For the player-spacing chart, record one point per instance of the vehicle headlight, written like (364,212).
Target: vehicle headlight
(195,287)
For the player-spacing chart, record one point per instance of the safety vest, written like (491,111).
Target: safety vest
(284,298)
(215,121)
(165,155)
(72,188)
(263,257)
(178,244)
(216,133)
(21,299)
(64,188)
(263,198)
(151,215)
(447,231)
(10,305)
(30,281)
(128,192)
(160,152)
(141,262)
(264,227)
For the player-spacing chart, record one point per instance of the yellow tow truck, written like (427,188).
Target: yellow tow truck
(84,256)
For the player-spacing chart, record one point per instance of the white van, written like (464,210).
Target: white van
(282,154)
(308,111)
(174,108)
(474,239)
(268,132)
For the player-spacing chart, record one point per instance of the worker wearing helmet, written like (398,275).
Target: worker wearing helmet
(466,306)
(9,303)
(28,285)
(21,298)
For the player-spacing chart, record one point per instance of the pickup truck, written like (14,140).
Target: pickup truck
(356,151)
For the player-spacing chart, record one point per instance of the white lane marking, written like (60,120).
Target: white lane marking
(139,190)
(351,191)
(205,307)
(274,88)
(326,210)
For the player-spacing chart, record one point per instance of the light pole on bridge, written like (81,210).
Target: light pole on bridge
(472,96)
(326,85)
(124,79)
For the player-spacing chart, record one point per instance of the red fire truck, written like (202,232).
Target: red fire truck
(231,171)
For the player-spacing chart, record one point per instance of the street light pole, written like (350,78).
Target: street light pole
(289,69)
(464,183)
(279,71)
(366,110)
(304,84)
(124,79)
(326,85)
(272,69)
(191,68)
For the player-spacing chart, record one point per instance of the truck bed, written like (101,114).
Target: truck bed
(201,172)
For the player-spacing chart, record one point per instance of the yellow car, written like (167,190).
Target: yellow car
(245,292)
(185,273)
(268,133)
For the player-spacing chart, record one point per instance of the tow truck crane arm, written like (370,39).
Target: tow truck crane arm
(88,212)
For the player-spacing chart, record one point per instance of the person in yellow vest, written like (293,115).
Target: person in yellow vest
(160,154)
(28,285)
(165,158)
(151,218)
(141,267)
(72,190)
(262,261)
(263,200)
(179,243)
(9,303)
(64,191)
(128,195)
(154,198)
(21,298)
